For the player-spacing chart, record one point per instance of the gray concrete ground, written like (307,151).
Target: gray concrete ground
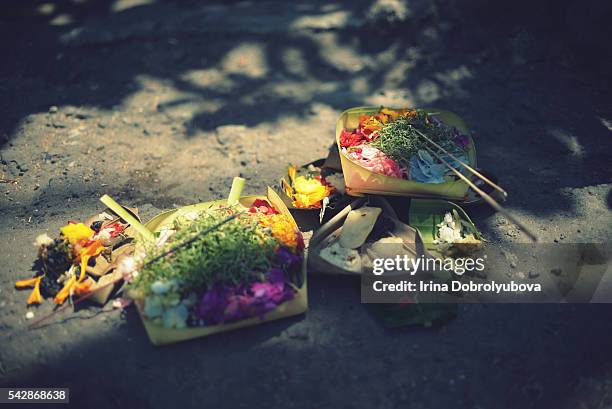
(160,104)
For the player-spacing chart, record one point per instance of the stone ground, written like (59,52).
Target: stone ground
(160,104)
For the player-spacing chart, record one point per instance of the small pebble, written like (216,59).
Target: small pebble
(53,109)
(29,315)
(556,271)
(534,274)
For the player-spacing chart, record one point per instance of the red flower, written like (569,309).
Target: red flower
(115,229)
(263,207)
(351,138)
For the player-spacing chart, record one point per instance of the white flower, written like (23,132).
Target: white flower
(176,317)
(104,235)
(457,233)
(447,234)
(449,231)
(153,307)
(43,240)
(448,218)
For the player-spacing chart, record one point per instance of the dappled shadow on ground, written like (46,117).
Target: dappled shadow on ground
(537,108)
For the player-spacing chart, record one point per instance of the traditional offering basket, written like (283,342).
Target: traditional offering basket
(159,335)
(360,180)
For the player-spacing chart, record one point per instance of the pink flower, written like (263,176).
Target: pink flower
(226,303)
(375,161)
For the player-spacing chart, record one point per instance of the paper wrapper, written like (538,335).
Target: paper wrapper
(360,180)
(159,335)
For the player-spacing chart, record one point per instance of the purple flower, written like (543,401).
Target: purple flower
(213,303)
(224,303)
(276,275)
(288,260)
(236,308)
(461,140)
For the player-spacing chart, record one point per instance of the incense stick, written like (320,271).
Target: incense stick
(465,165)
(492,202)
(191,240)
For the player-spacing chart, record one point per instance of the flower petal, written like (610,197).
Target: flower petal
(65,292)
(30,282)
(35,296)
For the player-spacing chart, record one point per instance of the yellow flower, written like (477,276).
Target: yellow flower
(73,286)
(291,171)
(410,112)
(282,229)
(309,192)
(66,291)
(307,185)
(286,188)
(81,234)
(393,114)
(372,124)
(92,250)
(306,192)
(75,233)
(35,296)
